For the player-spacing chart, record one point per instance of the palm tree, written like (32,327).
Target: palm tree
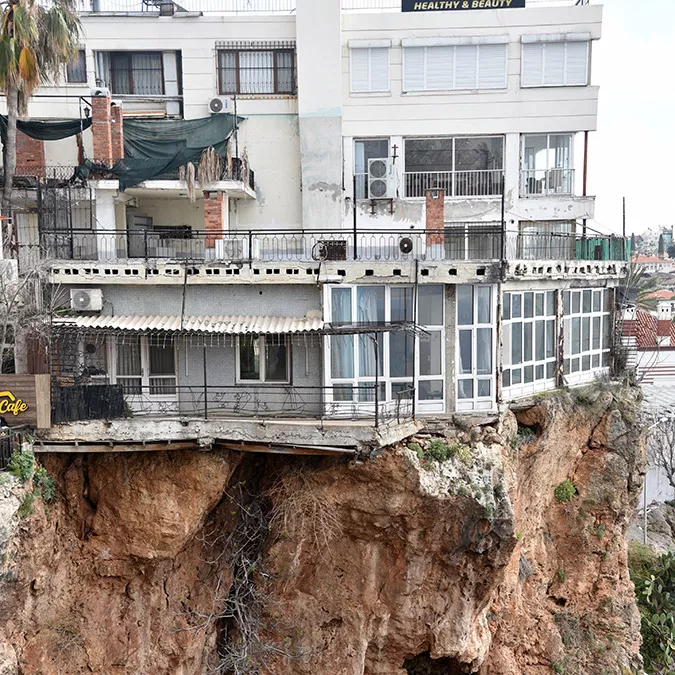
(35,43)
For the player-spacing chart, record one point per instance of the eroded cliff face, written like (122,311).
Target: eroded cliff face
(395,564)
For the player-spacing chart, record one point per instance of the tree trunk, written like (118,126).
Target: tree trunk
(10,168)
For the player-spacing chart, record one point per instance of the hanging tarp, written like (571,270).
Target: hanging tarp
(46,131)
(154,148)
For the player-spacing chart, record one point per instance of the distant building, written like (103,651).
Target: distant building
(653,263)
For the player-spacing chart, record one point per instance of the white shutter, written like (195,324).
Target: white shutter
(439,68)
(533,66)
(379,69)
(413,69)
(492,66)
(360,80)
(554,64)
(466,67)
(576,67)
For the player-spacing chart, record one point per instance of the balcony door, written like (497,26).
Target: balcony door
(475,348)
(547,165)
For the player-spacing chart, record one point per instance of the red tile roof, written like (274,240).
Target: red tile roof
(650,259)
(662,294)
(645,329)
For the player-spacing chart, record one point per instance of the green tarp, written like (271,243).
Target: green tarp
(154,148)
(46,131)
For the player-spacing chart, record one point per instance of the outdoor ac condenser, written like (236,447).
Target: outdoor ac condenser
(86,299)
(381,179)
(219,104)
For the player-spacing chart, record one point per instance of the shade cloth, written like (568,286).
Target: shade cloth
(46,131)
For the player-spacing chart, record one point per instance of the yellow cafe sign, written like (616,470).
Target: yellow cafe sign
(11,405)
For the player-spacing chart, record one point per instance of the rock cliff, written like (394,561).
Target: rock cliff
(453,553)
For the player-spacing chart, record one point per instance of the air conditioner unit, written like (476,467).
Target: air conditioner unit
(86,299)
(330,249)
(236,249)
(219,104)
(100,91)
(381,179)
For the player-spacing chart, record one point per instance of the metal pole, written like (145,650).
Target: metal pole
(624,219)
(503,265)
(206,400)
(236,132)
(644,515)
(377,381)
(354,215)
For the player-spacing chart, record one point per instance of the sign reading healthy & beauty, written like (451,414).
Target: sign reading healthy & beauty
(457,5)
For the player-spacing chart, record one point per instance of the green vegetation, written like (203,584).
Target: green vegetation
(565,491)
(562,576)
(44,484)
(654,580)
(440,451)
(26,508)
(21,464)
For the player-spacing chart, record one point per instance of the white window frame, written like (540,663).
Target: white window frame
(477,87)
(385,379)
(263,375)
(145,370)
(567,172)
(548,363)
(574,370)
(478,403)
(370,89)
(564,83)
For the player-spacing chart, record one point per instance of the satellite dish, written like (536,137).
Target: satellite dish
(405,245)
(319,251)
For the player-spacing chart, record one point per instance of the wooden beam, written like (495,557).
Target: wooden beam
(273,449)
(153,446)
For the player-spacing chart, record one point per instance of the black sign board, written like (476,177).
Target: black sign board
(457,5)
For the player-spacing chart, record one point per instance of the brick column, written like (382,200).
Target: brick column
(214,217)
(30,155)
(435,220)
(117,133)
(101,128)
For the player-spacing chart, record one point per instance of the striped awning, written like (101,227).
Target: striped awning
(211,325)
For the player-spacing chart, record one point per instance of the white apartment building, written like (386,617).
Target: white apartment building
(397,227)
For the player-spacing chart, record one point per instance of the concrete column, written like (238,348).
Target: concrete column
(116,133)
(106,240)
(101,129)
(319,45)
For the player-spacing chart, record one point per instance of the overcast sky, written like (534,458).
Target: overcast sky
(633,152)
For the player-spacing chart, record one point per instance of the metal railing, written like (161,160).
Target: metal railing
(456,242)
(282,401)
(484,183)
(11,439)
(535,182)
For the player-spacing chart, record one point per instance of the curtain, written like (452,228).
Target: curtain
(146,72)
(256,72)
(370,309)
(342,346)
(129,365)
(228,72)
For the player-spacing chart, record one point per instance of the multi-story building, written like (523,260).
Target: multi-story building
(394,224)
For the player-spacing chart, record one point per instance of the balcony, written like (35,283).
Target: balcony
(456,243)
(482,183)
(546,182)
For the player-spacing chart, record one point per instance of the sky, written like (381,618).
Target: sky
(633,152)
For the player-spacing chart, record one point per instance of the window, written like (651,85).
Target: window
(529,342)
(139,73)
(547,165)
(475,348)
(547,240)
(473,241)
(369,69)
(471,166)
(587,333)
(76,69)
(265,71)
(145,365)
(366,149)
(400,358)
(555,64)
(263,359)
(454,67)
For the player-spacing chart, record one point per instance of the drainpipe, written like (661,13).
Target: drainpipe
(585,177)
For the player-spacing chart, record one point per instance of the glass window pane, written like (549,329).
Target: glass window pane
(431,390)
(430,353)
(576,336)
(465,352)
(76,69)
(606,331)
(343,392)
(539,304)
(517,343)
(586,333)
(428,154)
(342,356)
(516,376)
(566,303)
(147,73)
(528,301)
(527,341)
(228,72)
(402,304)
(516,305)
(539,373)
(576,302)
(597,334)
(464,305)
(464,389)
(285,79)
(551,339)
(550,369)
(256,72)
(370,304)
(276,360)
(506,345)
(479,153)
(484,388)
(162,359)
(401,346)
(367,354)
(249,358)
(120,73)
(484,351)
(484,304)
(506,378)
(550,303)
(587,303)
(540,340)
(528,374)
(431,305)
(341,305)
(597,301)
(506,306)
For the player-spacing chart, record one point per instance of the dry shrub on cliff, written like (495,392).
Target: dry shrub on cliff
(301,510)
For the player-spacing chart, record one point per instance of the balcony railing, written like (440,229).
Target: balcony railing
(485,183)
(110,401)
(455,243)
(535,182)
(11,439)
